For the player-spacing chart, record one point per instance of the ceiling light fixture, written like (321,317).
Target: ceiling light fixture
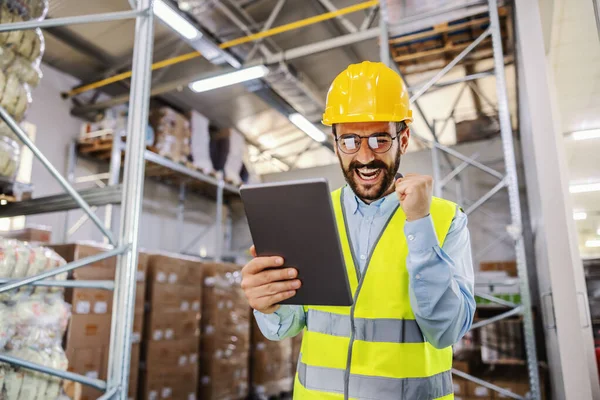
(579,216)
(585,187)
(587,134)
(230,78)
(175,20)
(308,127)
(592,243)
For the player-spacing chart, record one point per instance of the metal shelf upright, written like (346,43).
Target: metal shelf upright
(508,180)
(126,242)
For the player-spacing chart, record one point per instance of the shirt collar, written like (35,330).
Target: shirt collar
(378,207)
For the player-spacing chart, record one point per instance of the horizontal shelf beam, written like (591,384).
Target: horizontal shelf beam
(481,382)
(515,311)
(106,285)
(95,383)
(62,202)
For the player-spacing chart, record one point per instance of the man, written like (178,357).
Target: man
(408,257)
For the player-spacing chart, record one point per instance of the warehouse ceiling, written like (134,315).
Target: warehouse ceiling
(91,52)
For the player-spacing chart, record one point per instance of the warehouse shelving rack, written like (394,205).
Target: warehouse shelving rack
(126,242)
(184,177)
(508,180)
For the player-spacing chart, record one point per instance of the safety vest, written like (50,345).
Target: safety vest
(375,349)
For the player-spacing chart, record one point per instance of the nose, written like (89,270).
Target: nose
(365,155)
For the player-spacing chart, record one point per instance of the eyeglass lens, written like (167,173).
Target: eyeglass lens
(379,143)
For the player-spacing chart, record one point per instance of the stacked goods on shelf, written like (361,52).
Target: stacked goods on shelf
(88,334)
(498,279)
(225,338)
(20,56)
(171,335)
(229,154)
(482,127)
(172,134)
(502,342)
(32,234)
(114,121)
(271,364)
(200,146)
(33,321)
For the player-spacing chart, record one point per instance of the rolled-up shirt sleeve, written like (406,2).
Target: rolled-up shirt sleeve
(286,322)
(441,282)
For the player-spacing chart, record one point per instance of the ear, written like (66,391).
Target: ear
(403,140)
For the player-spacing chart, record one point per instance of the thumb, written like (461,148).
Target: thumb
(253,251)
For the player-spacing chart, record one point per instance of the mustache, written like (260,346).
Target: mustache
(373,164)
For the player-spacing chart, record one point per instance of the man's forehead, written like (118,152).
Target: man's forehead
(364,127)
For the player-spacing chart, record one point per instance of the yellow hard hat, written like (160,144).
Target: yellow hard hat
(366,92)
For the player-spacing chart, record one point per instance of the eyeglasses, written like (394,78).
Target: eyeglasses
(378,142)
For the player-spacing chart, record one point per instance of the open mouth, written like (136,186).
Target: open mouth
(368,175)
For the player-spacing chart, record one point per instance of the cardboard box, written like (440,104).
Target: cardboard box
(477,391)
(100,270)
(174,298)
(225,334)
(89,362)
(177,383)
(510,267)
(169,268)
(88,331)
(172,326)
(271,366)
(460,386)
(172,353)
(37,234)
(134,370)
(516,386)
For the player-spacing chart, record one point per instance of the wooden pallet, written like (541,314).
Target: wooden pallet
(432,49)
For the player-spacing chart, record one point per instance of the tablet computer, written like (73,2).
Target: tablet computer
(295,220)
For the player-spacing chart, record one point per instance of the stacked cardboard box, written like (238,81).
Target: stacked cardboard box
(172,133)
(171,339)
(33,234)
(225,339)
(271,364)
(88,335)
(502,342)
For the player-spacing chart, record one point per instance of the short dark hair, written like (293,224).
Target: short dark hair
(400,126)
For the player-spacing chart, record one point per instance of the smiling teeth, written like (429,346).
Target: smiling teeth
(368,170)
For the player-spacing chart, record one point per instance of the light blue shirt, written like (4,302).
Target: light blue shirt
(440,278)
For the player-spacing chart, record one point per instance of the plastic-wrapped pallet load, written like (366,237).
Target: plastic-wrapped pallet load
(171,335)
(271,365)
(20,57)
(225,337)
(200,142)
(172,133)
(33,320)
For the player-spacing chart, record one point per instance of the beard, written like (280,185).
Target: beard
(386,175)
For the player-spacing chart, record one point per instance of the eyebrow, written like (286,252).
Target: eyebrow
(374,133)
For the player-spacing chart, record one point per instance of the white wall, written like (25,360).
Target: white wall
(56,128)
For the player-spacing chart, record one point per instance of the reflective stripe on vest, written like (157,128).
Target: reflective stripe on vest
(367,329)
(375,387)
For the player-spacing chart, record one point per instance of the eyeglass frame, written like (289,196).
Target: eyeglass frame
(398,134)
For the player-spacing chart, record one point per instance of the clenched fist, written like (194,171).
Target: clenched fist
(414,192)
(265,287)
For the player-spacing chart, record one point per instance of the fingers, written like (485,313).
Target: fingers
(266,304)
(266,277)
(272,288)
(261,263)
(253,251)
